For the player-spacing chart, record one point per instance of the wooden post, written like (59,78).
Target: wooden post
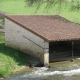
(72,50)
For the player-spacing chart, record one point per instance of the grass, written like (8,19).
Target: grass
(20,7)
(10,59)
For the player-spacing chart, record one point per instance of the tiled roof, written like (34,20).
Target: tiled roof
(48,27)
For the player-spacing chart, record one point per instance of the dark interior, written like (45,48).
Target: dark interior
(63,50)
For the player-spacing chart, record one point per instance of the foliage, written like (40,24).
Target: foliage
(75,7)
(53,3)
(1,20)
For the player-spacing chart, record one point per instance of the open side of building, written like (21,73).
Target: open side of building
(64,50)
(47,38)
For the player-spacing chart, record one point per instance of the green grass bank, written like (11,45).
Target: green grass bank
(11,60)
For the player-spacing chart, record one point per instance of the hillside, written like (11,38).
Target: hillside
(20,7)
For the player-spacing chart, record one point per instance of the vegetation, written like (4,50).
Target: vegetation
(10,59)
(53,3)
(0,20)
(21,7)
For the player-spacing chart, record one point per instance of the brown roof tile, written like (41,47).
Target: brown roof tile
(49,27)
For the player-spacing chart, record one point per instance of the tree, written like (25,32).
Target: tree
(52,3)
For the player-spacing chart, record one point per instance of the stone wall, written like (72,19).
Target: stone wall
(19,38)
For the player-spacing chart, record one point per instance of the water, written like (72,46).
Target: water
(66,70)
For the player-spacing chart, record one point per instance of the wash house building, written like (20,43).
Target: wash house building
(46,37)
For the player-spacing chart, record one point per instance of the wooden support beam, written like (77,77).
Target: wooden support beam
(72,50)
